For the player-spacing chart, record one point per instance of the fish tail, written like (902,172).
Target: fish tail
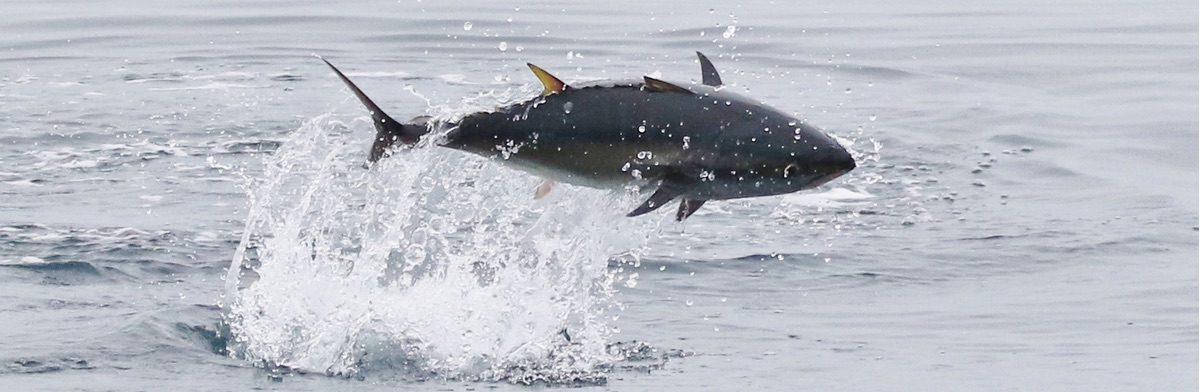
(388,131)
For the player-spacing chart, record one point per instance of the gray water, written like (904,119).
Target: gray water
(1024,214)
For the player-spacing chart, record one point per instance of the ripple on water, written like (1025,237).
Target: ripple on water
(71,256)
(42,366)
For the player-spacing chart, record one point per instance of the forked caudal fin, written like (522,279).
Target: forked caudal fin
(387,130)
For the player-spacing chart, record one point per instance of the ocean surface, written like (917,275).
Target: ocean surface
(183,204)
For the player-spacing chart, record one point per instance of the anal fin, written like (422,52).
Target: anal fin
(543,189)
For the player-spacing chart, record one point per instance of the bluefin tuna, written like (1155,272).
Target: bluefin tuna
(691,142)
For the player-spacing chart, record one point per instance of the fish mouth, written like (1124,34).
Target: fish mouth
(836,160)
(830,163)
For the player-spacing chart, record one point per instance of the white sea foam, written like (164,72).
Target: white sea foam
(456,79)
(432,261)
(212,86)
(832,197)
(25,182)
(379,74)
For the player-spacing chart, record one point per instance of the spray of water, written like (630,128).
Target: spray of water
(433,263)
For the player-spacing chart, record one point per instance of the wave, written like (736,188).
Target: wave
(432,261)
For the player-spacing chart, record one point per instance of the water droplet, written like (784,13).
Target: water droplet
(467,26)
(872,118)
(440,225)
(689,302)
(641,129)
(729,32)
(503,46)
(567,107)
(414,254)
(847,91)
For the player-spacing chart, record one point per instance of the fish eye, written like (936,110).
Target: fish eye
(790,170)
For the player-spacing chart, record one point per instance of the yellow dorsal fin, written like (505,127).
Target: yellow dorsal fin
(659,86)
(551,83)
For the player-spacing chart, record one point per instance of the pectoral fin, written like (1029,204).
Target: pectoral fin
(671,187)
(687,207)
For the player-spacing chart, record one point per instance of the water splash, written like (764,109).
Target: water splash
(433,263)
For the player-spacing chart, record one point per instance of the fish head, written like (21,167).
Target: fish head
(766,152)
(813,158)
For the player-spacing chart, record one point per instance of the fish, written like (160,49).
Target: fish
(686,141)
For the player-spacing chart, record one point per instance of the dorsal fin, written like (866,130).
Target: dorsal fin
(658,86)
(709,72)
(551,83)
